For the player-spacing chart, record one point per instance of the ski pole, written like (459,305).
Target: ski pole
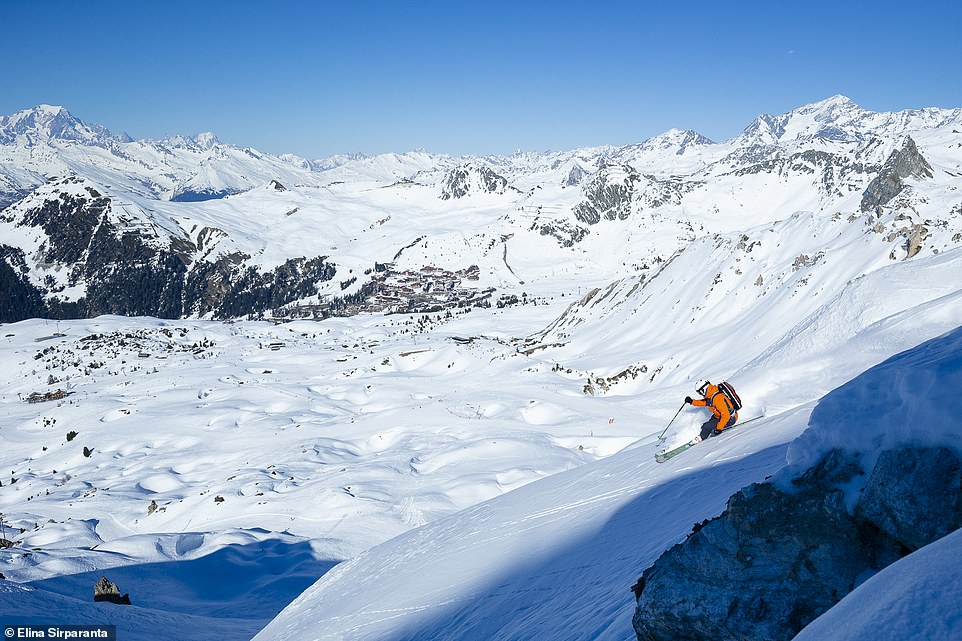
(750,420)
(661,436)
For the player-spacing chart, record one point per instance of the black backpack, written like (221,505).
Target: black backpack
(728,390)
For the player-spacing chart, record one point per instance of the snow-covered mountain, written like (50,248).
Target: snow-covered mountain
(568,209)
(47,123)
(46,141)
(841,120)
(469,434)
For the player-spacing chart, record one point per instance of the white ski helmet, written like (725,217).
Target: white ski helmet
(702,386)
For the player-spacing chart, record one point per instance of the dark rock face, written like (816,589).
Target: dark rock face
(608,195)
(104,590)
(776,560)
(462,180)
(132,271)
(251,291)
(69,223)
(18,298)
(575,176)
(914,496)
(564,232)
(904,163)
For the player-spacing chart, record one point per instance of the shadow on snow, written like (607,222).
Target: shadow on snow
(237,589)
(581,591)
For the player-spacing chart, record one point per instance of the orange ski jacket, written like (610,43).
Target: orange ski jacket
(719,405)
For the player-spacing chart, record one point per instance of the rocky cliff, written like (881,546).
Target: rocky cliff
(903,163)
(83,257)
(608,195)
(778,557)
(472,178)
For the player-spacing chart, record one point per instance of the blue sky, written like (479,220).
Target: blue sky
(320,78)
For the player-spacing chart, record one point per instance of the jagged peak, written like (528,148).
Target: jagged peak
(53,122)
(42,110)
(206,139)
(680,139)
(832,102)
(836,109)
(834,118)
(683,138)
(38,117)
(908,143)
(839,118)
(674,132)
(909,160)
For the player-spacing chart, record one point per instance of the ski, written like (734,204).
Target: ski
(661,457)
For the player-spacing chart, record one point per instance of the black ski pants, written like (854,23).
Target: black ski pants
(708,427)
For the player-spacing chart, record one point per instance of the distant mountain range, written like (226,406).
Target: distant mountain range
(92,222)
(514,320)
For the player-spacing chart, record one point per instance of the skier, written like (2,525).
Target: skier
(723,412)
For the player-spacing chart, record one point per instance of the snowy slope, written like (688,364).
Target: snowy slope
(212,444)
(355,431)
(192,596)
(555,558)
(49,141)
(529,221)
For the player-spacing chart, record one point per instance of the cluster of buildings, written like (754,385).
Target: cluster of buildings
(428,289)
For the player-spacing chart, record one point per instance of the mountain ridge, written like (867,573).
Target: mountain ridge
(836,115)
(588,290)
(421,210)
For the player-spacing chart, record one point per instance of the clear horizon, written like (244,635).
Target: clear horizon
(318,80)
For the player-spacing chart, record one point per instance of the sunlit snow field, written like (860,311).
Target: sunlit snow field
(231,464)
(480,474)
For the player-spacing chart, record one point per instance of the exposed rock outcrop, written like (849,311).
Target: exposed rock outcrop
(128,268)
(778,558)
(472,178)
(104,590)
(608,195)
(566,233)
(914,496)
(575,176)
(903,163)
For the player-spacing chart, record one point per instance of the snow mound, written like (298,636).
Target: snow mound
(906,400)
